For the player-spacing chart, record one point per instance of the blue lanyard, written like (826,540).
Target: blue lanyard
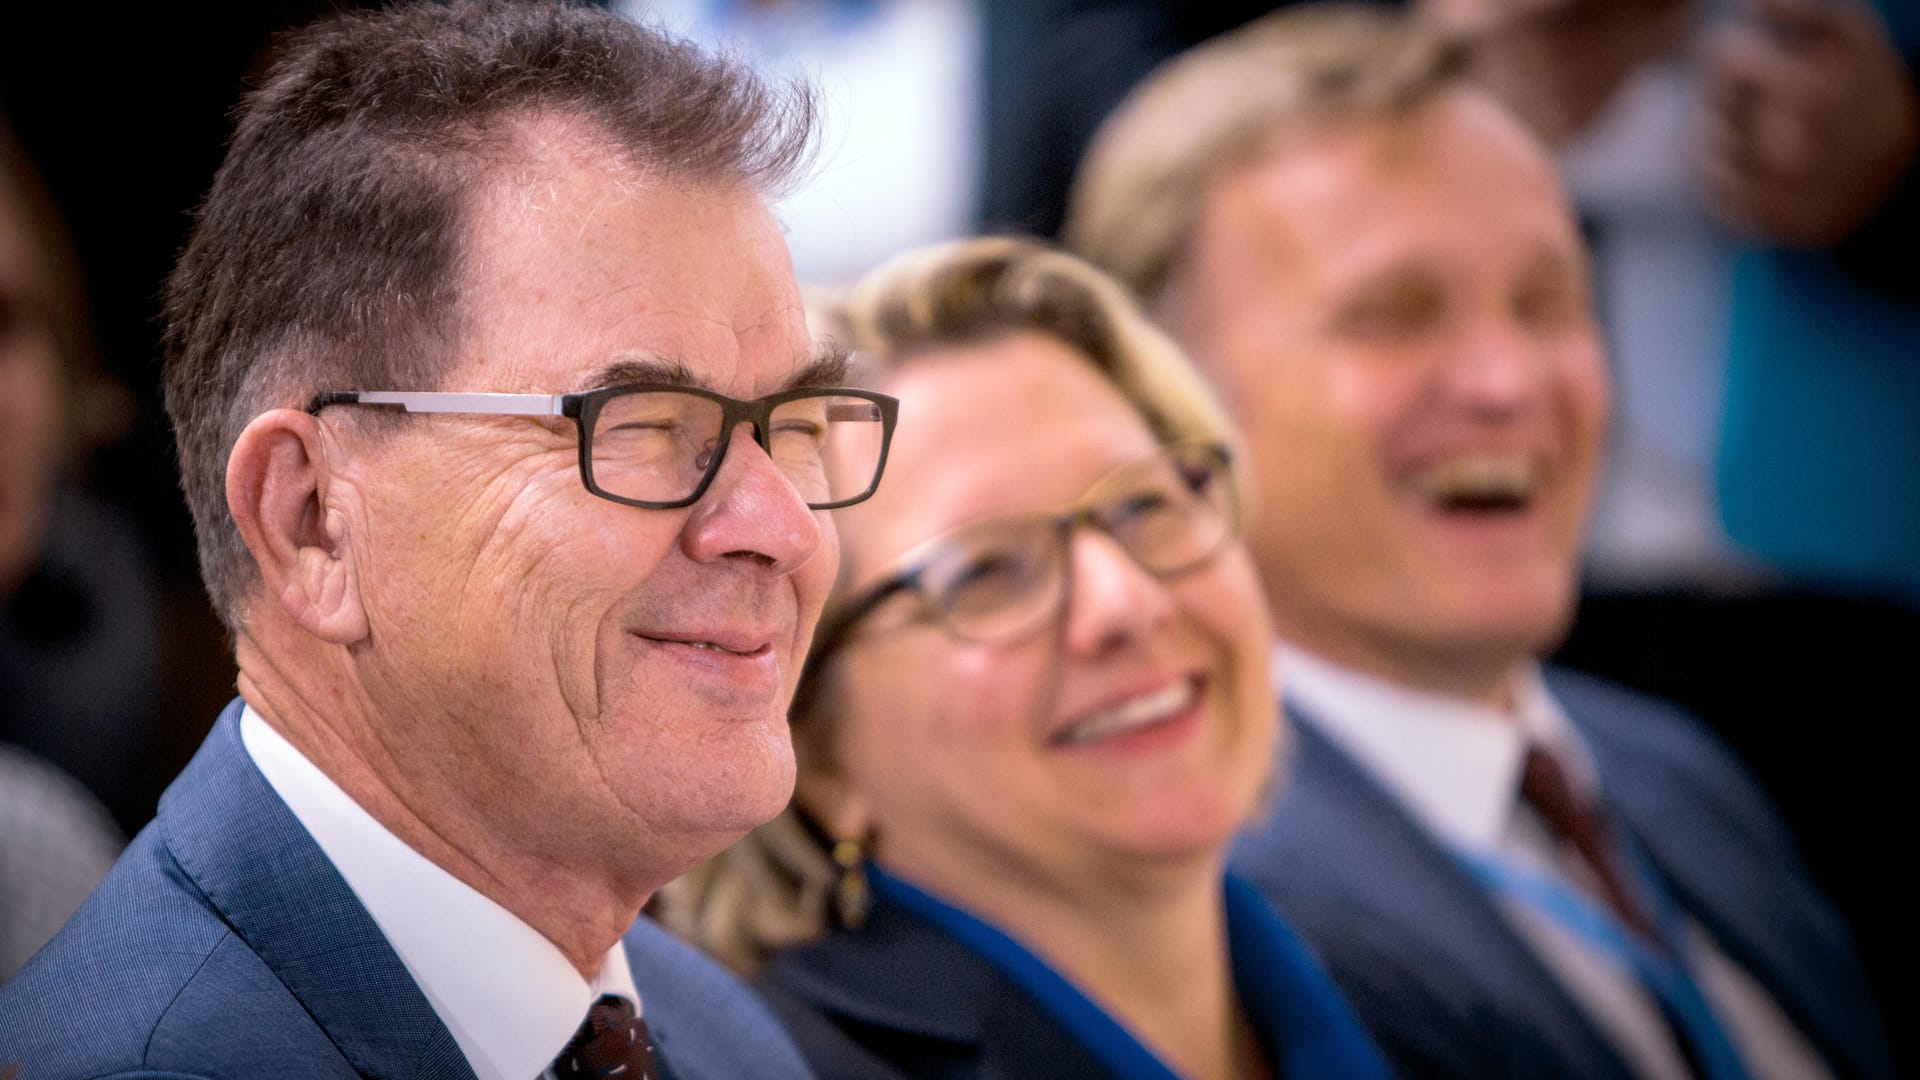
(1661,970)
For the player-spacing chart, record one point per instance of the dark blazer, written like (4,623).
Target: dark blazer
(905,998)
(901,998)
(1445,984)
(224,944)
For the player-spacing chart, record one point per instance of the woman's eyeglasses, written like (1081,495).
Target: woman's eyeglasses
(1001,579)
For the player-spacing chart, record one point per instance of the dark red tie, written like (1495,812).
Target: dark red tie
(612,1042)
(1582,826)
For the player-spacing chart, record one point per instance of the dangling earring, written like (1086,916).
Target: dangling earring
(851,897)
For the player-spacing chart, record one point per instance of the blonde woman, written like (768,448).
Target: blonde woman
(1036,711)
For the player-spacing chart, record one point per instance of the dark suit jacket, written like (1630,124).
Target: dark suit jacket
(905,998)
(901,998)
(1446,985)
(224,944)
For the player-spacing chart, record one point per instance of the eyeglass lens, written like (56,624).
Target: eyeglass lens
(1000,578)
(656,446)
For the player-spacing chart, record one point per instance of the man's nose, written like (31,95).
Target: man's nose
(751,511)
(1495,367)
(1112,600)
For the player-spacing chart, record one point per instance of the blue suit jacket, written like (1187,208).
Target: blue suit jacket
(1442,980)
(224,944)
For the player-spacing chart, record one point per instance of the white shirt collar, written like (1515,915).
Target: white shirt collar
(509,997)
(1453,762)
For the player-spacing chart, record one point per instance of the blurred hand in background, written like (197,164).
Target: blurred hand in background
(1811,120)
(1558,63)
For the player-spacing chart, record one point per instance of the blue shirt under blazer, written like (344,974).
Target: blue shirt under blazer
(224,944)
(1445,984)
(927,990)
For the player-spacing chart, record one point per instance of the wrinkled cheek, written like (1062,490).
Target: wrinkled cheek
(584,654)
(536,599)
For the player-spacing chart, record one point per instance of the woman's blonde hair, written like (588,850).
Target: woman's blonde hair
(774,888)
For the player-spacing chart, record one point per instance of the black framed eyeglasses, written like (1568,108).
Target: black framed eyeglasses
(658,446)
(999,580)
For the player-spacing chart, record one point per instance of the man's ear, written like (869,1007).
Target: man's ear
(277,481)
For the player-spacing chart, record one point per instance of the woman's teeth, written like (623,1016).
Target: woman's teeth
(1134,713)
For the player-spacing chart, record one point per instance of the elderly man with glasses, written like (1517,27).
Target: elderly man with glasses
(508,452)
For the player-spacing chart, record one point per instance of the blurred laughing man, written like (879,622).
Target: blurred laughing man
(1511,871)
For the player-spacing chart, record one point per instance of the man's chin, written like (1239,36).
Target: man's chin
(1525,609)
(701,831)
(753,790)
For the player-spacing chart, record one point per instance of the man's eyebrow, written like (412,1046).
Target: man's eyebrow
(828,367)
(635,369)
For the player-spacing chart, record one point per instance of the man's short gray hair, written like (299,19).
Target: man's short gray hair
(328,252)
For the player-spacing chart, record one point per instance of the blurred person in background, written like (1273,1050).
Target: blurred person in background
(88,96)
(56,841)
(1747,172)
(78,635)
(1057,68)
(1753,199)
(1750,194)
(505,442)
(1811,151)
(1744,172)
(1377,264)
(1034,716)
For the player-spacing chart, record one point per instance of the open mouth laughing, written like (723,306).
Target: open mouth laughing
(1477,484)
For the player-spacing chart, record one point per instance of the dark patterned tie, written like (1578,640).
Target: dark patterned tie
(1545,787)
(612,1042)
(1584,827)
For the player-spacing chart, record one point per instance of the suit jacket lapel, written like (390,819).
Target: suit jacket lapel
(1367,872)
(255,863)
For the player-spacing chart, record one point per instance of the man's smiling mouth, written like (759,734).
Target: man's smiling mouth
(716,648)
(1478,483)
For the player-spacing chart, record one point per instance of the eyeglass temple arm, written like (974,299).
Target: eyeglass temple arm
(426,401)
(832,631)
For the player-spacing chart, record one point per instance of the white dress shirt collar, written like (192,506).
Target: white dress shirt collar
(1454,763)
(509,997)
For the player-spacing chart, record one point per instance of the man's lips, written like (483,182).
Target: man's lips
(1166,701)
(723,643)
